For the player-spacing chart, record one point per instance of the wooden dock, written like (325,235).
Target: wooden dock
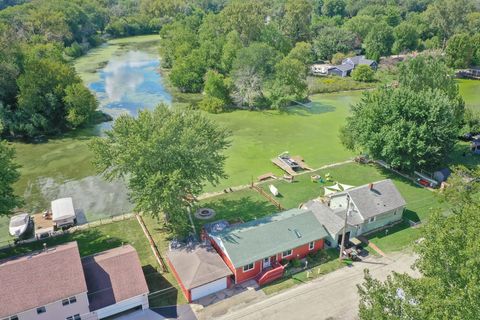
(289,170)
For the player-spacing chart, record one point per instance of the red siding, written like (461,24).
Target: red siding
(186,292)
(240,276)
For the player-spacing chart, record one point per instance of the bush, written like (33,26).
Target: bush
(212,105)
(363,73)
(296,263)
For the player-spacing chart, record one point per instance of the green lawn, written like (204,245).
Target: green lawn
(242,205)
(329,264)
(108,236)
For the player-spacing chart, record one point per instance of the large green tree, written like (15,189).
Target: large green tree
(332,40)
(449,286)
(166,156)
(8,176)
(297,19)
(460,50)
(408,130)
(379,41)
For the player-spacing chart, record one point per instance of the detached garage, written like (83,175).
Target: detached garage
(199,270)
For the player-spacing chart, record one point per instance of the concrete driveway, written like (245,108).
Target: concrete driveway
(333,296)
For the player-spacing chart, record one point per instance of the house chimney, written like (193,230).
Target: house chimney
(370,186)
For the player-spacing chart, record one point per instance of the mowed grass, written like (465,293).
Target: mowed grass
(243,205)
(112,235)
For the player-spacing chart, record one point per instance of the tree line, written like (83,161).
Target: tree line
(256,53)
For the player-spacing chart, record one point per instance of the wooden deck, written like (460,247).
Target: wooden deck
(287,169)
(41,224)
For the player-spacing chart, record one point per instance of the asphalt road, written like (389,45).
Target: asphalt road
(332,297)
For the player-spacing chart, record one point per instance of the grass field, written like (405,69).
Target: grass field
(108,236)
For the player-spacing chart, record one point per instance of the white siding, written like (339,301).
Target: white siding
(124,305)
(209,288)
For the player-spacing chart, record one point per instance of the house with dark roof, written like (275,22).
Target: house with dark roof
(258,249)
(341,70)
(55,283)
(199,270)
(372,207)
(359,60)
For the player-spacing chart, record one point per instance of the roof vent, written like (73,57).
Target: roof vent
(299,235)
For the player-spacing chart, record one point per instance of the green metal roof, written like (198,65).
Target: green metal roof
(265,237)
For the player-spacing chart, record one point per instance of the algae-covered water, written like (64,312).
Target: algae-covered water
(124,76)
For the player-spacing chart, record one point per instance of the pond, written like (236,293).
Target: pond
(124,76)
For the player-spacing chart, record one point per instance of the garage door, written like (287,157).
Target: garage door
(208,288)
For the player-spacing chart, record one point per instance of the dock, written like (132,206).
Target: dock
(288,169)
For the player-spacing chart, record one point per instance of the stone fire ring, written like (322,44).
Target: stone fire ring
(204,213)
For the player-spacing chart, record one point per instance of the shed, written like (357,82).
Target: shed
(341,70)
(63,212)
(442,175)
(199,270)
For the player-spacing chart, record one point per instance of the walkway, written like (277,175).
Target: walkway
(333,296)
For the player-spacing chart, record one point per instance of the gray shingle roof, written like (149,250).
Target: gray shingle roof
(257,239)
(383,197)
(344,67)
(359,60)
(197,265)
(325,216)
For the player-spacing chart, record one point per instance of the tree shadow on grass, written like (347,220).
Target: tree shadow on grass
(313,108)
(164,292)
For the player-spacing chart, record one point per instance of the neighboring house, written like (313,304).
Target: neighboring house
(51,284)
(255,249)
(341,70)
(199,270)
(358,60)
(115,282)
(372,207)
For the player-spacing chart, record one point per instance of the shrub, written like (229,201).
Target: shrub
(212,104)
(296,263)
(363,73)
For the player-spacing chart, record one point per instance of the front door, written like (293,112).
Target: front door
(347,239)
(266,263)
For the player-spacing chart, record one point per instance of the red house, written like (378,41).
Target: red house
(256,249)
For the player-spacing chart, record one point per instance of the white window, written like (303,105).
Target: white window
(66,302)
(311,245)
(286,253)
(74,317)
(372,219)
(248,267)
(41,310)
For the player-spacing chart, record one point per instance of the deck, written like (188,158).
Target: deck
(288,169)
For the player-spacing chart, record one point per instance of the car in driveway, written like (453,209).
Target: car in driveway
(19,225)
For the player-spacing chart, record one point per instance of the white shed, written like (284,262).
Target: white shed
(63,212)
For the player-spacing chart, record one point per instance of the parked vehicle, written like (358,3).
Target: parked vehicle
(19,224)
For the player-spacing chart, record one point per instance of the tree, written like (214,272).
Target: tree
(233,43)
(166,156)
(360,25)
(448,17)
(379,41)
(247,17)
(332,40)
(8,176)
(273,36)
(188,72)
(289,83)
(406,38)
(363,73)
(333,8)
(303,51)
(297,19)
(429,72)
(212,104)
(410,131)
(258,56)
(447,260)
(216,86)
(459,51)
(248,87)
(80,104)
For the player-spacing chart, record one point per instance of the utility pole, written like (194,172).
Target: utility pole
(342,246)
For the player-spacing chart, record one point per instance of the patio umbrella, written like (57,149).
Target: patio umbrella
(335,187)
(346,186)
(328,191)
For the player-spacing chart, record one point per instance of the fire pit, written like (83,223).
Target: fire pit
(204,213)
